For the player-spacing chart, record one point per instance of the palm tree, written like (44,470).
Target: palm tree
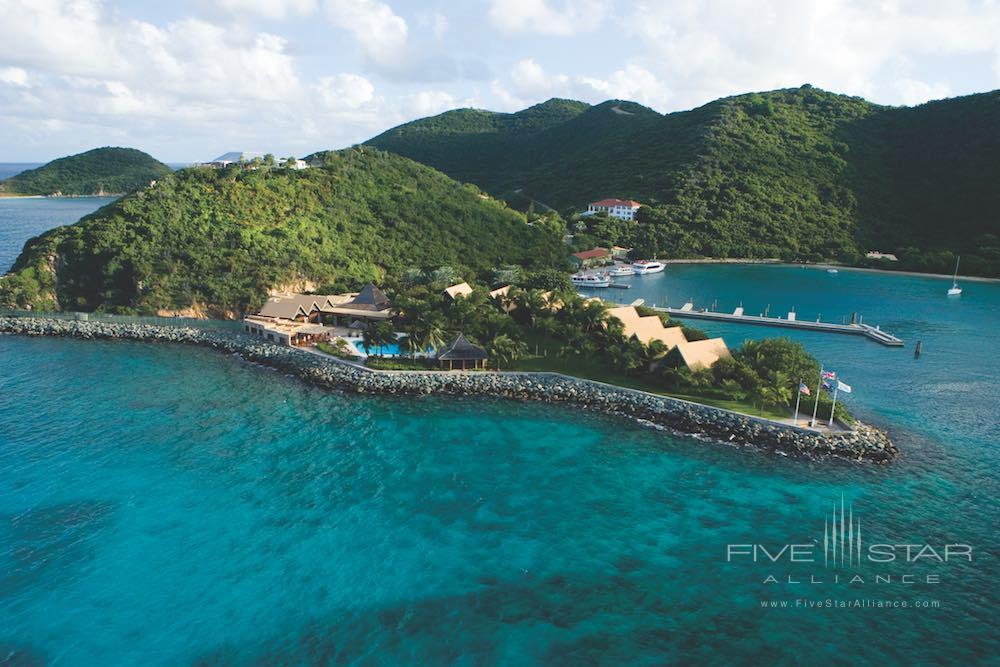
(505,350)
(378,335)
(531,304)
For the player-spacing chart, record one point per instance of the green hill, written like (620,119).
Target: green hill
(98,171)
(798,173)
(218,240)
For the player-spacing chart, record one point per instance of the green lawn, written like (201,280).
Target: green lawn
(594,370)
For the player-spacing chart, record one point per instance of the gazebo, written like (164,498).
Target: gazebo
(460,350)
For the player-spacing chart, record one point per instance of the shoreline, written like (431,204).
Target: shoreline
(826,265)
(863,443)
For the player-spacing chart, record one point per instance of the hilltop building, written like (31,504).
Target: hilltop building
(624,209)
(234,157)
(246,157)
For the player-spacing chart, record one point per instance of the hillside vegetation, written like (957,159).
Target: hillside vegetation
(96,172)
(800,174)
(218,240)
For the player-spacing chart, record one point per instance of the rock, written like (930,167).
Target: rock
(863,443)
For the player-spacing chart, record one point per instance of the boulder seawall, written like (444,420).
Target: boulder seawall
(862,443)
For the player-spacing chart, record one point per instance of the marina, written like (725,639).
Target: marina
(737,316)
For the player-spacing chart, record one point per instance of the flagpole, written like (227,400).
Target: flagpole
(798,397)
(819,385)
(836,388)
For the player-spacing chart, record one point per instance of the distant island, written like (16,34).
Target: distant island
(101,171)
(798,174)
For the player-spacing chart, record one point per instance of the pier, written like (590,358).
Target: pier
(790,322)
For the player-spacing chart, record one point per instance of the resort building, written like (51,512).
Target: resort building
(461,352)
(875,254)
(304,319)
(592,257)
(700,354)
(356,310)
(624,209)
(502,295)
(286,332)
(695,354)
(455,291)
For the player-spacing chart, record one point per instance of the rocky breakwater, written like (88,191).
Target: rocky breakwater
(863,443)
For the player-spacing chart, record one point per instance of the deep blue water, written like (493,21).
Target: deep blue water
(165,505)
(22,218)
(8,169)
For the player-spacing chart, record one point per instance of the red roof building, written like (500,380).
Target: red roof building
(592,256)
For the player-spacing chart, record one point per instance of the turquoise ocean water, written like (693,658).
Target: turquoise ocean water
(164,505)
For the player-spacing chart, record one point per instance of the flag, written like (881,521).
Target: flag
(827,386)
(803,389)
(846,388)
(829,375)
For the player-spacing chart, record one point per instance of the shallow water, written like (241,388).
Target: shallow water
(166,505)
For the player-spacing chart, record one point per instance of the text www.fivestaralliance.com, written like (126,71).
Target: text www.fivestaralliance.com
(850,603)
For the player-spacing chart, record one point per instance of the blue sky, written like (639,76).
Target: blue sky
(191,79)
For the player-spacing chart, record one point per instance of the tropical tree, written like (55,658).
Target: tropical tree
(505,350)
(378,335)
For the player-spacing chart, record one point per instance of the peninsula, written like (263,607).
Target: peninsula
(101,171)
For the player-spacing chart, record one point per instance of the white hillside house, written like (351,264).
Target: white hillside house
(623,209)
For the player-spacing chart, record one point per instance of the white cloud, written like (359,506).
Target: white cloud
(530,83)
(272,9)
(633,83)
(14,76)
(345,91)
(530,80)
(913,92)
(430,102)
(706,50)
(378,29)
(568,17)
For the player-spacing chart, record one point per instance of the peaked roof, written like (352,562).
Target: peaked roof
(630,203)
(648,328)
(460,348)
(237,156)
(703,353)
(370,298)
(461,289)
(593,253)
(290,307)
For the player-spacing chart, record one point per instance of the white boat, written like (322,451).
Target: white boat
(832,271)
(644,266)
(955,290)
(621,270)
(591,279)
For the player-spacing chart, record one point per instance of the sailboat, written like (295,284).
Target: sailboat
(955,290)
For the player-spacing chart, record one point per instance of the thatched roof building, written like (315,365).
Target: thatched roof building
(461,351)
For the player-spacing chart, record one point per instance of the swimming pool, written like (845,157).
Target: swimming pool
(391,350)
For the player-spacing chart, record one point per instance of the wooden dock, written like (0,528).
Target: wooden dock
(737,317)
